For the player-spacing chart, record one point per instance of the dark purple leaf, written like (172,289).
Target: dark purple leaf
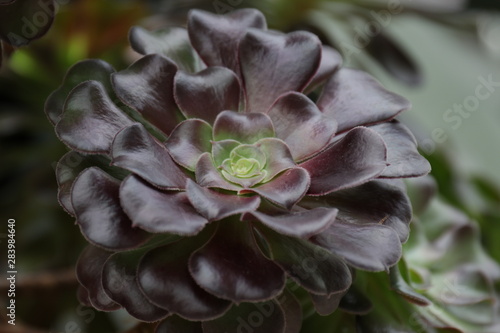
(382,201)
(286,189)
(23,21)
(172,42)
(359,157)
(82,295)
(355,98)
(371,247)
(89,273)
(175,324)
(207,93)
(299,123)
(120,284)
(147,86)
(394,59)
(165,279)
(189,140)
(304,224)
(136,150)
(85,70)
(90,119)
(326,305)
(208,176)
(216,206)
(331,61)
(158,211)
(216,37)
(402,154)
(273,63)
(231,266)
(95,198)
(292,310)
(278,157)
(312,267)
(265,317)
(245,128)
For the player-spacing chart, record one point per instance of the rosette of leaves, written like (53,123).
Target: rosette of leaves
(22,21)
(204,177)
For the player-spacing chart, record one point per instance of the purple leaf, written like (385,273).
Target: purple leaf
(286,189)
(313,268)
(402,154)
(120,283)
(165,279)
(382,201)
(245,128)
(208,176)
(90,120)
(265,317)
(136,150)
(172,42)
(99,214)
(231,266)
(359,157)
(85,70)
(147,86)
(355,98)
(331,61)
(89,273)
(216,206)
(26,20)
(274,63)
(216,37)
(175,324)
(207,93)
(158,211)
(368,247)
(326,304)
(303,224)
(298,122)
(189,140)
(292,310)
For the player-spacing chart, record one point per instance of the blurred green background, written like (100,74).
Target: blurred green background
(436,55)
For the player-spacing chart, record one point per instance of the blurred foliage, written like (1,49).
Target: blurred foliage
(434,56)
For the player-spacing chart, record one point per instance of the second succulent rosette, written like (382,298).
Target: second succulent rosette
(207,175)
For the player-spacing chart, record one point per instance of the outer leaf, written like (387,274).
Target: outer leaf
(355,98)
(216,37)
(24,21)
(286,189)
(94,69)
(99,214)
(326,304)
(292,310)
(331,61)
(382,201)
(207,93)
(249,317)
(90,120)
(231,266)
(136,150)
(175,324)
(89,273)
(172,42)
(303,224)
(119,282)
(216,206)
(359,157)
(272,64)
(315,269)
(189,140)
(367,247)
(299,123)
(157,211)
(402,154)
(147,86)
(245,128)
(165,279)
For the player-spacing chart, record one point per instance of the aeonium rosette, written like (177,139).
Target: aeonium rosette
(206,177)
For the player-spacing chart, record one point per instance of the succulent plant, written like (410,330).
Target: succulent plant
(226,161)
